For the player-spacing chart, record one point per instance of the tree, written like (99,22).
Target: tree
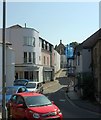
(74,44)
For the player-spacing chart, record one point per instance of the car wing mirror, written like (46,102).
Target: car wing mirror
(53,102)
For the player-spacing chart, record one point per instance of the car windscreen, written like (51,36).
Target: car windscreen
(31,85)
(37,101)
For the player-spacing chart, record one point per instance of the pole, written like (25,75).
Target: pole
(3,64)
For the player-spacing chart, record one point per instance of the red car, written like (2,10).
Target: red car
(32,106)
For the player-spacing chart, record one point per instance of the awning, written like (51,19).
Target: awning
(26,68)
(47,69)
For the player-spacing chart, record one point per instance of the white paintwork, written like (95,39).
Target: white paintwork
(85,61)
(56,61)
(9,66)
(63,61)
(15,35)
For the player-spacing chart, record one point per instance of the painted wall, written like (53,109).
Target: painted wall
(56,61)
(84,61)
(10,66)
(86,57)
(63,60)
(16,37)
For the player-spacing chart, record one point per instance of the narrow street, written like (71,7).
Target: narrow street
(57,94)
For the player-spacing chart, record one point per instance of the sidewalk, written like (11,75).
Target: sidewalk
(86,104)
(50,83)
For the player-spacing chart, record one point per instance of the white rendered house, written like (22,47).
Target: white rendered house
(25,42)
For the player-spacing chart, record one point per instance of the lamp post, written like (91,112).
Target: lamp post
(3,64)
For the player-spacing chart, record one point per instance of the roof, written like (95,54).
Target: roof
(34,82)
(28,94)
(45,40)
(19,26)
(91,41)
(16,26)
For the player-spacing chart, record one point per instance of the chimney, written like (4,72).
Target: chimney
(60,41)
(25,25)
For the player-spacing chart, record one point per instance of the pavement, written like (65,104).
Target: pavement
(75,99)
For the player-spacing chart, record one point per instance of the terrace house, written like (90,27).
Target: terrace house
(47,59)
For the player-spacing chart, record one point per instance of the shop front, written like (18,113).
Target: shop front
(48,74)
(27,72)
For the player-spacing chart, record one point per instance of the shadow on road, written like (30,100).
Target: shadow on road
(63,80)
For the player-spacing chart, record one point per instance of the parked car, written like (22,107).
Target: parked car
(35,86)
(21,82)
(32,106)
(11,90)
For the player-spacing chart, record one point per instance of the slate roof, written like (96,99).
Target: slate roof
(91,41)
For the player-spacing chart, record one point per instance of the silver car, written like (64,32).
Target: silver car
(35,86)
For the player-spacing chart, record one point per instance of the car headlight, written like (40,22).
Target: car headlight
(36,115)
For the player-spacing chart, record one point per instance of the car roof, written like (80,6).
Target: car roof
(21,80)
(34,82)
(15,86)
(23,94)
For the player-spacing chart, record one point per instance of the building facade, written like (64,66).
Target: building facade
(47,60)
(97,69)
(56,61)
(27,47)
(34,56)
(9,65)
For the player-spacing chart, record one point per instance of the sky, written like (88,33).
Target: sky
(55,21)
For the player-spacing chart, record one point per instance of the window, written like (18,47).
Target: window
(43,44)
(34,41)
(44,60)
(78,60)
(20,100)
(29,41)
(14,98)
(25,57)
(29,56)
(34,57)
(47,60)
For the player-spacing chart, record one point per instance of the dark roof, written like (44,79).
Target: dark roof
(91,41)
(45,40)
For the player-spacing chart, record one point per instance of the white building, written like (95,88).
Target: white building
(83,61)
(63,61)
(56,61)
(9,65)
(27,47)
